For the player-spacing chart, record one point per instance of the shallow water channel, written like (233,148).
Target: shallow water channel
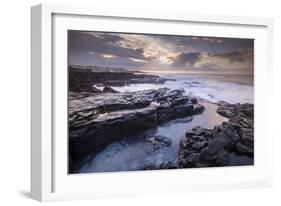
(134,153)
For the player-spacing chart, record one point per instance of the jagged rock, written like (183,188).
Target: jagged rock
(193,100)
(109,90)
(199,145)
(96,120)
(198,108)
(85,88)
(164,165)
(203,148)
(236,110)
(211,147)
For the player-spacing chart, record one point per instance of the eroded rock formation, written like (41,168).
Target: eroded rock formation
(96,120)
(211,147)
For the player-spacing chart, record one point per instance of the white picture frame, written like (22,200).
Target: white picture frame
(49,179)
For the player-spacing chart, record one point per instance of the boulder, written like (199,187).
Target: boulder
(108,89)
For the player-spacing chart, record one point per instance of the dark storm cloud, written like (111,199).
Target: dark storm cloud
(183,59)
(232,56)
(103,44)
(96,59)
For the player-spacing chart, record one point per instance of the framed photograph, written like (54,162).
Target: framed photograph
(137,102)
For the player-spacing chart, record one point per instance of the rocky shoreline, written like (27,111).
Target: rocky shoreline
(203,147)
(83,80)
(98,118)
(211,147)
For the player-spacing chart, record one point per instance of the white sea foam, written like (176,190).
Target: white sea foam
(232,89)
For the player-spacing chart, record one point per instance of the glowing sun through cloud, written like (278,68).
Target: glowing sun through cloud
(108,56)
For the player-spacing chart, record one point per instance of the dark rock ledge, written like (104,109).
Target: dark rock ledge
(83,80)
(212,147)
(95,120)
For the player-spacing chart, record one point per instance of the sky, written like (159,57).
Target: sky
(149,52)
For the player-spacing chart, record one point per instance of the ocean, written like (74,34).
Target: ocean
(228,88)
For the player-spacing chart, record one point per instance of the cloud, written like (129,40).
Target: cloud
(212,39)
(233,56)
(186,59)
(103,43)
(160,52)
(207,67)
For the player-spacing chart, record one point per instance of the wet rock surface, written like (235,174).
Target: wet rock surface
(212,147)
(96,120)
